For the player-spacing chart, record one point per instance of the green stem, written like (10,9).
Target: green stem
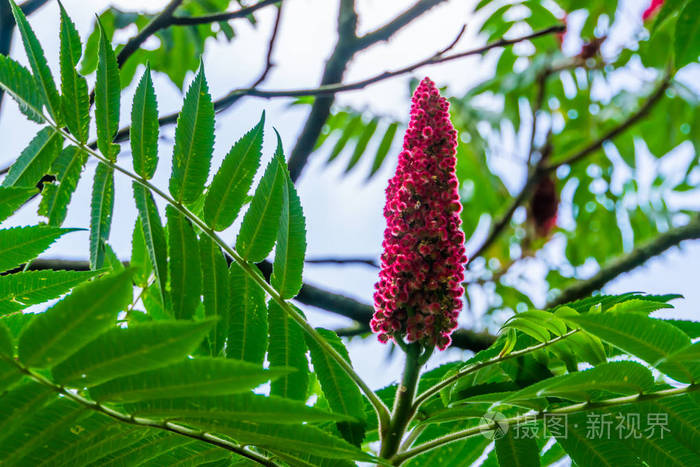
(398,459)
(176,428)
(381,410)
(428,393)
(401,416)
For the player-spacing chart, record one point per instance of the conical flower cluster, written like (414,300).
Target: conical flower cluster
(418,296)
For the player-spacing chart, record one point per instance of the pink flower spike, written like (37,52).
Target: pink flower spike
(424,252)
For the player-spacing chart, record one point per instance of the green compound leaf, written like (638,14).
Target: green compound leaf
(153,233)
(362,143)
(215,290)
(383,149)
(101,209)
(189,378)
(231,183)
(35,160)
(184,266)
(37,61)
(291,244)
(287,350)
(55,197)
(107,89)
(144,127)
(12,198)
(88,311)
(125,351)
(19,83)
(647,338)
(194,142)
(21,244)
(75,103)
(23,289)
(261,221)
(238,407)
(341,392)
(247,331)
(139,256)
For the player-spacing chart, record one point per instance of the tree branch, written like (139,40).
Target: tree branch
(226,16)
(626,263)
(160,21)
(366,261)
(347,46)
(541,170)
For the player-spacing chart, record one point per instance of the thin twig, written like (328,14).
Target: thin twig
(324,90)
(178,429)
(433,60)
(634,118)
(268,58)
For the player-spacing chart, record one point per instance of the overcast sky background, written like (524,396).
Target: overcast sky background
(344,214)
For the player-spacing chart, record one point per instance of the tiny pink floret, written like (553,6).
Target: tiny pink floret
(419,293)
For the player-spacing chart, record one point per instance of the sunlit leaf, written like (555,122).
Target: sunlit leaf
(184,266)
(144,127)
(191,377)
(194,142)
(247,331)
(101,209)
(287,350)
(232,181)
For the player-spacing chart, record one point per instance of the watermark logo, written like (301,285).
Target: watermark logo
(493,425)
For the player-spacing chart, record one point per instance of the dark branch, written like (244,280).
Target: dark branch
(242,13)
(629,262)
(162,20)
(385,32)
(268,60)
(433,60)
(366,261)
(30,6)
(332,73)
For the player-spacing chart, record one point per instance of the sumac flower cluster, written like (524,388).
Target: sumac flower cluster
(419,292)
